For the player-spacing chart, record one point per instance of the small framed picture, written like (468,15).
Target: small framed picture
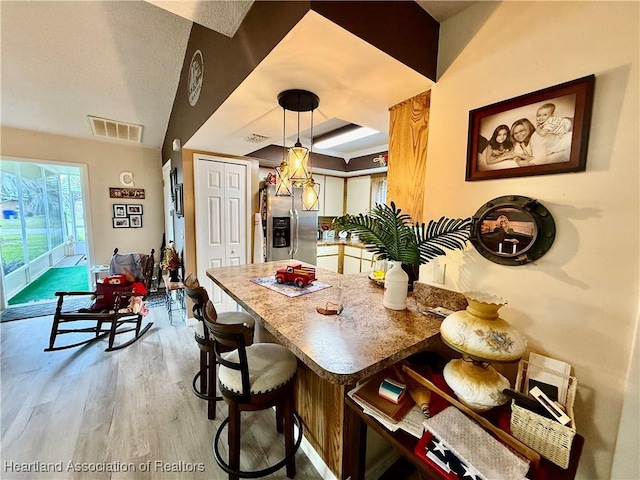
(121,222)
(134,209)
(135,221)
(179,205)
(538,133)
(119,210)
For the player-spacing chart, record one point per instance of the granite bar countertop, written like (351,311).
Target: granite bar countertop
(363,340)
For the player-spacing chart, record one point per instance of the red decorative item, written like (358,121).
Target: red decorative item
(139,288)
(115,280)
(296,274)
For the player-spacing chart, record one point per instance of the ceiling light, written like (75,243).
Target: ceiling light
(344,135)
(295,169)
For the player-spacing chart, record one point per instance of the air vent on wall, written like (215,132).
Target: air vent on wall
(255,138)
(102,127)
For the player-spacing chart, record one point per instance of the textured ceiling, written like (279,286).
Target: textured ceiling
(120,60)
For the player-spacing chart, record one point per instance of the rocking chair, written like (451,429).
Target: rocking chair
(114,310)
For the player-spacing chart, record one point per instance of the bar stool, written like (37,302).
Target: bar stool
(207,373)
(253,377)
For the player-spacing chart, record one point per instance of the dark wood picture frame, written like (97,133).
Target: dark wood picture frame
(135,221)
(179,201)
(119,210)
(552,125)
(119,222)
(135,209)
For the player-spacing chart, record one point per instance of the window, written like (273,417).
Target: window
(378,189)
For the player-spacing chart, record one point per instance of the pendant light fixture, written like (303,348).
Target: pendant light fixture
(298,159)
(283,183)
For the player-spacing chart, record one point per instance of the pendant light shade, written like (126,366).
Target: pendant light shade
(283,188)
(298,159)
(310,195)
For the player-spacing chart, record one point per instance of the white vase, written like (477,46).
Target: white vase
(396,286)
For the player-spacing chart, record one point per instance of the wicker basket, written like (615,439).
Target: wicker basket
(548,437)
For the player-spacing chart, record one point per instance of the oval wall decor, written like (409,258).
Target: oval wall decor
(512,230)
(196,75)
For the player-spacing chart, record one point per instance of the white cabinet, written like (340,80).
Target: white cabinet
(328,257)
(351,262)
(358,195)
(367,264)
(328,263)
(356,260)
(333,196)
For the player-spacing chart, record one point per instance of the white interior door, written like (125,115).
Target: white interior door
(221,196)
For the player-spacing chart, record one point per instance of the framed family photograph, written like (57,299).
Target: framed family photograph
(119,210)
(135,221)
(538,133)
(134,209)
(121,222)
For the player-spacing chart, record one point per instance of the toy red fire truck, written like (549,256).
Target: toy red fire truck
(296,274)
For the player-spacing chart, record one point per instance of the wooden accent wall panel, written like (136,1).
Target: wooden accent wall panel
(408,134)
(320,405)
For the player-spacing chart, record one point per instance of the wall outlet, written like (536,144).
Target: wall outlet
(438,272)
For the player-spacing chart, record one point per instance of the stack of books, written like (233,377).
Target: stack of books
(385,394)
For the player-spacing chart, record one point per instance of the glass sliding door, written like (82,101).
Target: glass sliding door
(41,221)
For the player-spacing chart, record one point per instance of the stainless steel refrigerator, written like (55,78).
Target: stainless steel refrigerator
(291,232)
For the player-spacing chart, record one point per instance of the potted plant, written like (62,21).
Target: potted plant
(391,235)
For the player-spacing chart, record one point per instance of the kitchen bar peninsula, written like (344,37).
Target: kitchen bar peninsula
(335,351)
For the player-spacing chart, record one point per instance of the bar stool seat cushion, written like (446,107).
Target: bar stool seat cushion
(270,366)
(227,318)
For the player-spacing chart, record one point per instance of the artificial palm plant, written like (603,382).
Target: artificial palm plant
(391,235)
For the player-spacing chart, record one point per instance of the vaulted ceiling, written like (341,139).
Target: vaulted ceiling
(65,61)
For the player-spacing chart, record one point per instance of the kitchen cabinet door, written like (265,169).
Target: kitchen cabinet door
(330,262)
(350,265)
(333,196)
(358,194)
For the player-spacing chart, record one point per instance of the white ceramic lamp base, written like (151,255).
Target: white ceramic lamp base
(477,387)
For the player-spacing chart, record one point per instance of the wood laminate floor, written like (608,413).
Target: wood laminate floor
(127,414)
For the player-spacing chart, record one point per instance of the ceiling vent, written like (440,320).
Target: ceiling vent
(102,127)
(255,138)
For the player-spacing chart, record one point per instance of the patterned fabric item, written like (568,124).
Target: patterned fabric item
(474,446)
(439,457)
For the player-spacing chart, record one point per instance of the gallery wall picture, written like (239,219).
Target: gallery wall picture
(126,193)
(119,210)
(121,222)
(127,216)
(134,209)
(538,133)
(135,221)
